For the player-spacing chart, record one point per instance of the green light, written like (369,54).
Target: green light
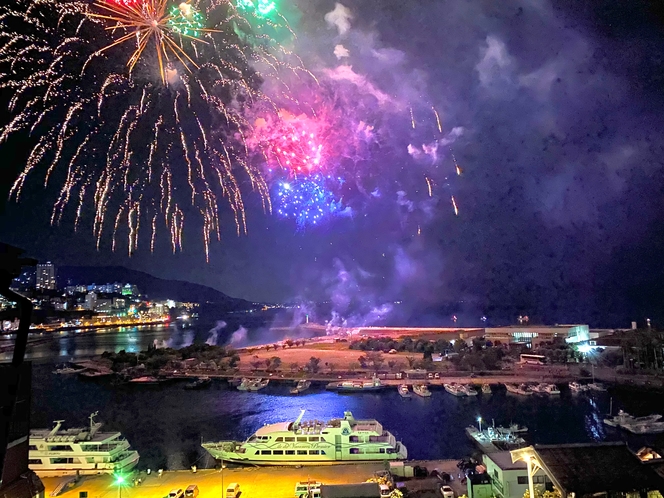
(245,5)
(119,479)
(265,7)
(186,20)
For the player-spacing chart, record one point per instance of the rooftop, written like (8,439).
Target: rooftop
(363,490)
(503,459)
(595,468)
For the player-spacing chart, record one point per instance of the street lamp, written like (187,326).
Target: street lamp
(479,421)
(119,482)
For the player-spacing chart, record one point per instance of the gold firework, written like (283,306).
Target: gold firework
(150,23)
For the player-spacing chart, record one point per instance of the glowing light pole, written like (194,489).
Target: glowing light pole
(479,421)
(119,481)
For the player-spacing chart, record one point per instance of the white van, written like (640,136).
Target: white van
(307,489)
(232,490)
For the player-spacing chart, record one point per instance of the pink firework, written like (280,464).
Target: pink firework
(292,143)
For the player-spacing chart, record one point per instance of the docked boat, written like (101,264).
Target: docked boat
(575,387)
(512,429)
(624,419)
(469,390)
(404,392)
(421,390)
(145,380)
(596,386)
(313,443)
(521,389)
(491,439)
(244,384)
(66,370)
(257,384)
(83,450)
(200,383)
(356,385)
(542,388)
(302,385)
(645,428)
(486,388)
(455,389)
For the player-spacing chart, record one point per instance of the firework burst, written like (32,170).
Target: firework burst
(137,107)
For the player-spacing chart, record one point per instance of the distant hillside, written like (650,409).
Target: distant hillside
(155,288)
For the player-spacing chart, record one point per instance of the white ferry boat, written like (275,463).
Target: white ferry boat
(313,443)
(56,452)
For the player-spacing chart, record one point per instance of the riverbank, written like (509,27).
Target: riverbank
(255,482)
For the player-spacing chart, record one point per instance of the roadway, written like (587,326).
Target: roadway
(255,482)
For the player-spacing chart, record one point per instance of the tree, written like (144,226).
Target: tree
(375,359)
(331,366)
(275,362)
(294,366)
(411,361)
(391,364)
(233,360)
(363,361)
(542,493)
(289,343)
(314,364)
(353,365)
(255,365)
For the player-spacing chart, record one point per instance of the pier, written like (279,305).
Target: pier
(255,482)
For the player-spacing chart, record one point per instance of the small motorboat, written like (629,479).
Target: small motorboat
(486,388)
(421,390)
(404,392)
(302,385)
(200,383)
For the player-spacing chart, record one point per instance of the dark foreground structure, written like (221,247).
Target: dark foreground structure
(16,479)
(584,470)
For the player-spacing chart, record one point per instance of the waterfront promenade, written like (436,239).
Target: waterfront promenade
(255,482)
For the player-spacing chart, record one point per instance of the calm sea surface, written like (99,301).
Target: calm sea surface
(166,423)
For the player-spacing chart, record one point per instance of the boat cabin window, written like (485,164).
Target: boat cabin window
(354,439)
(290,452)
(325,432)
(301,452)
(289,439)
(322,452)
(266,452)
(314,452)
(279,440)
(252,438)
(60,447)
(33,447)
(354,451)
(302,439)
(62,460)
(382,450)
(278,452)
(314,438)
(34,461)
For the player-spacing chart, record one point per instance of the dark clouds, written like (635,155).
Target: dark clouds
(561,197)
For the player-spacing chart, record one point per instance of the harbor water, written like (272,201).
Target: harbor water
(166,423)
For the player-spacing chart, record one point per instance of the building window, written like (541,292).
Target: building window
(522,479)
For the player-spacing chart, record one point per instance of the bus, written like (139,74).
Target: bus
(531,359)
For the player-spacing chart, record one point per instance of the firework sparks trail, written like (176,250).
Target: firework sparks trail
(429,186)
(435,112)
(90,81)
(454,205)
(412,118)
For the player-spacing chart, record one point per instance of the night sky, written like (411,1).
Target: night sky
(561,201)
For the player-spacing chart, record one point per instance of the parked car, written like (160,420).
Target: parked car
(447,492)
(233,490)
(176,493)
(191,491)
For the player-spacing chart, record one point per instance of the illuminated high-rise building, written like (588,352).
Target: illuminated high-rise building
(45,278)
